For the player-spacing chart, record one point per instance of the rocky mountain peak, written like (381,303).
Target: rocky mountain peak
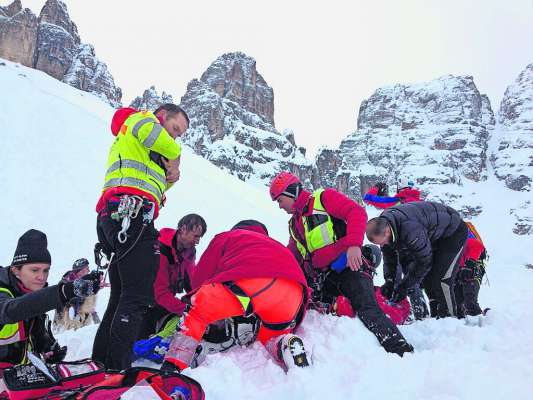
(55,12)
(12,9)
(232,123)
(234,76)
(150,99)
(435,132)
(51,43)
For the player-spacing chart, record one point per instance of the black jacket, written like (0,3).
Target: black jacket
(416,229)
(30,308)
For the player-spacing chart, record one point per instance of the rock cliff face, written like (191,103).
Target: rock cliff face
(512,157)
(435,132)
(50,43)
(231,108)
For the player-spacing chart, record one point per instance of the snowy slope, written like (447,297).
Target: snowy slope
(55,140)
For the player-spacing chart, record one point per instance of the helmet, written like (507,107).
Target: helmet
(280,184)
(372,254)
(404,182)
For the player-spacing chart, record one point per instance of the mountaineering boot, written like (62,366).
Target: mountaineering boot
(291,350)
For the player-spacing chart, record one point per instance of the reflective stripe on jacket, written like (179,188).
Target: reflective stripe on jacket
(318,227)
(11,333)
(129,163)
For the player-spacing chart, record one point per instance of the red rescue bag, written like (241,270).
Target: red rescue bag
(24,382)
(139,380)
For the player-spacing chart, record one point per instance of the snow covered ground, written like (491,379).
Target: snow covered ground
(54,145)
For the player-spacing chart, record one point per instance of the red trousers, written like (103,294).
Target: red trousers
(274,301)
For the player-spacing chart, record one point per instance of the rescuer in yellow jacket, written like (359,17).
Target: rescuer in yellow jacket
(143,163)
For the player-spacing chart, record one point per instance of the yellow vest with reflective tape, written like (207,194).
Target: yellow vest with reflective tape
(318,227)
(10,333)
(129,163)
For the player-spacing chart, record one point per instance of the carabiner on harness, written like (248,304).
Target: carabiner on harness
(128,209)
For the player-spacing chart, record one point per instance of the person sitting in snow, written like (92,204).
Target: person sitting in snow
(471,272)
(434,235)
(327,226)
(244,272)
(378,197)
(78,312)
(25,297)
(176,261)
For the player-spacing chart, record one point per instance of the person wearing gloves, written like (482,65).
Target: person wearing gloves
(326,229)
(25,298)
(434,235)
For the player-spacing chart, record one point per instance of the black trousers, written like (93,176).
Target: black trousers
(440,281)
(358,287)
(132,279)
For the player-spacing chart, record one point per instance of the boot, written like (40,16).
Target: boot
(288,351)
(291,350)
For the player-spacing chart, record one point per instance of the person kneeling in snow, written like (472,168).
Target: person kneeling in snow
(176,262)
(471,272)
(326,225)
(244,272)
(25,298)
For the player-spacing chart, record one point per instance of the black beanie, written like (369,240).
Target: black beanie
(31,248)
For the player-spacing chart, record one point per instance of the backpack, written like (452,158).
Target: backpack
(474,231)
(119,117)
(145,382)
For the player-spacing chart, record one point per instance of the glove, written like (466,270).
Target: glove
(382,188)
(387,288)
(153,349)
(82,287)
(57,354)
(400,292)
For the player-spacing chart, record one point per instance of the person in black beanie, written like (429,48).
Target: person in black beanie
(25,298)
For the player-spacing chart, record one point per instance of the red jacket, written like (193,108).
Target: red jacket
(339,206)
(174,272)
(240,254)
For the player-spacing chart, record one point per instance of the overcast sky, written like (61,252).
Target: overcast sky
(321,58)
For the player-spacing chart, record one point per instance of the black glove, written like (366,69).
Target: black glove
(387,288)
(400,292)
(82,287)
(382,188)
(58,354)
